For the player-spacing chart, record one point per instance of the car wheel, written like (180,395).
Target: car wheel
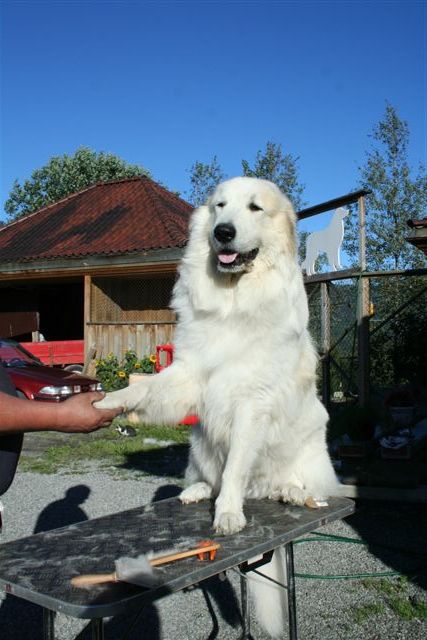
(76,368)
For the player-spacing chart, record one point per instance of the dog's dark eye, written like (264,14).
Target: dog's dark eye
(220,204)
(254,207)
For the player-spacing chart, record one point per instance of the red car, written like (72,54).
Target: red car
(36,381)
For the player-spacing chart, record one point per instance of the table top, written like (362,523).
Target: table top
(39,568)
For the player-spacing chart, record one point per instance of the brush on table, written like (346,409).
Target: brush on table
(140,570)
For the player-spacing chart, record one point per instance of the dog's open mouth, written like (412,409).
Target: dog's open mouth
(228,260)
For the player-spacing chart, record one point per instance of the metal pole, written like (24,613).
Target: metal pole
(97,625)
(246,614)
(292,605)
(325,326)
(48,624)
(363,312)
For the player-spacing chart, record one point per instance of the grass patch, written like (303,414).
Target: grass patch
(387,586)
(367,611)
(410,608)
(107,446)
(397,598)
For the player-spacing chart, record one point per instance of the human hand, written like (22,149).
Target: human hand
(78,415)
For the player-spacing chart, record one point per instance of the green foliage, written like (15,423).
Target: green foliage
(270,164)
(386,586)
(281,169)
(396,596)
(367,611)
(399,348)
(410,345)
(114,373)
(204,178)
(397,196)
(64,175)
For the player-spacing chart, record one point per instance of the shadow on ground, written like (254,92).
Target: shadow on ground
(59,513)
(395,533)
(167,462)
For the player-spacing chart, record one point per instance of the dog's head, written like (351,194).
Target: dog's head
(250,219)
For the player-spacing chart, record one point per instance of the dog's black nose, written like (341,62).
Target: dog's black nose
(224,232)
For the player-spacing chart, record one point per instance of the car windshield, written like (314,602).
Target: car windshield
(13,355)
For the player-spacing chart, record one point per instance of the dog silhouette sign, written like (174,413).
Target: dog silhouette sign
(327,240)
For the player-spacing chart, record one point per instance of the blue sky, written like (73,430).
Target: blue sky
(164,84)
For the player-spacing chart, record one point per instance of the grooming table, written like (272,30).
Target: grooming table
(39,568)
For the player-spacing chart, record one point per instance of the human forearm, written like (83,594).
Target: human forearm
(18,414)
(73,415)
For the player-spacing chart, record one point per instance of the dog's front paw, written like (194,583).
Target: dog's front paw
(110,402)
(291,494)
(229,522)
(195,493)
(123,398)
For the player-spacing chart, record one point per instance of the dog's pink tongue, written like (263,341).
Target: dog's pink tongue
(227,258)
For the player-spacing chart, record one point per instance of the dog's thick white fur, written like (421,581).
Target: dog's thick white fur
(245,364)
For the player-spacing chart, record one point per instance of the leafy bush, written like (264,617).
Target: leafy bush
(114,373)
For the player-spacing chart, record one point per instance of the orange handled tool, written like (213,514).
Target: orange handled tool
(140,570)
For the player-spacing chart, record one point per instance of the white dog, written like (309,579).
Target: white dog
(244,362)
(327,240)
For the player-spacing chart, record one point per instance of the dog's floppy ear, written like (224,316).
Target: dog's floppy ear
(288,220)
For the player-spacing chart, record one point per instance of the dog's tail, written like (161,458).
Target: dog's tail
(270,599)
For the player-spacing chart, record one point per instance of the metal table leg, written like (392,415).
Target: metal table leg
(97,626)
(289,553)
(48,624)
(246,614)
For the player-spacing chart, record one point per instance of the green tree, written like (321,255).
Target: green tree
(64,175)
(397,196)
(270,164)
(398,193)
(204,177)
(281,169)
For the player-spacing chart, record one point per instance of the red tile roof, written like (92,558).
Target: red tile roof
(118,217)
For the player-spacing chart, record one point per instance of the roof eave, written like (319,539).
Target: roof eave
(419,240)
(93,263)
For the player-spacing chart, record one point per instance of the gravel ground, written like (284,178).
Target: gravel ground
(332,609)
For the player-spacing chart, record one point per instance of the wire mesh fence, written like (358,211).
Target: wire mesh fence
(133,299)
(396,338)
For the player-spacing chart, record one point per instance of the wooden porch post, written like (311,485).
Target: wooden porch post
(363,312)
(86,312)
(325,327)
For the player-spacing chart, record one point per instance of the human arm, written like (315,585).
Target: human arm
(74,415)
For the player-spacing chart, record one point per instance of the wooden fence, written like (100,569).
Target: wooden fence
(117,338)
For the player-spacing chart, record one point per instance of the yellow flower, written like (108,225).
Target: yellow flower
(137,365)
(121,374)
(153,359)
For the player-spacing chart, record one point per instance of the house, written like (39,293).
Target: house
(99,264)
(419,234)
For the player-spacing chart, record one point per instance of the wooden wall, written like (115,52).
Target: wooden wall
(132,312)
(118,338)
